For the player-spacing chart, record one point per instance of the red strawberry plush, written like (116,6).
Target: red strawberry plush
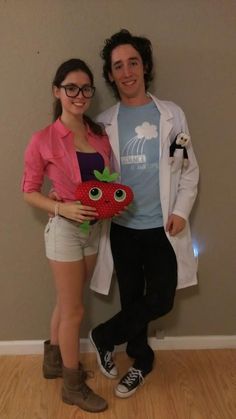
(107,198)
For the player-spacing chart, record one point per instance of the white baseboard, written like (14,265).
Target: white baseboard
(194,342)
(33,347)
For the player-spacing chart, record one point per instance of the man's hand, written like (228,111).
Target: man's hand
(175,224)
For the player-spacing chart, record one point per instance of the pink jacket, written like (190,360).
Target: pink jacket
(51,153)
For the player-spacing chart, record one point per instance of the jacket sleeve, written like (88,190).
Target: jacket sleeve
(188,180)
(34,167)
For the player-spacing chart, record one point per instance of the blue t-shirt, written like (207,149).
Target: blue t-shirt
(138,128)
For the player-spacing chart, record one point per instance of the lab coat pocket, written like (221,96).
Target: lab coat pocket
(176,165)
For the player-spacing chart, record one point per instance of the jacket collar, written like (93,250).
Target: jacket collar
(61,128)
(64,131)
(165,112)
(166,120)
(163,109)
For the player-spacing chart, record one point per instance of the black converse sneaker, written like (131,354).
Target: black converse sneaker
(104,358)
(129,383)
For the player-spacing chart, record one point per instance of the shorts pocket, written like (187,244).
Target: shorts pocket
(48,226)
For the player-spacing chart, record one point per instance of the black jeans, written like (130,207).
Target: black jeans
(146,269)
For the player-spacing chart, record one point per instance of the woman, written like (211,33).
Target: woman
(67,152)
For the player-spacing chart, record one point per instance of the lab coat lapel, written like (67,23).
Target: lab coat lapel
(111,127)
(166,121)
(166,126)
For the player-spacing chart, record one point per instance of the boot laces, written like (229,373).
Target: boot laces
(132,376)
(85,390)
(88,374)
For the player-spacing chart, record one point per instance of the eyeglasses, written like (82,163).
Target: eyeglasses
(72,90)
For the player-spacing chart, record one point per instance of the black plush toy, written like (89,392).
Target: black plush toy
(180,142)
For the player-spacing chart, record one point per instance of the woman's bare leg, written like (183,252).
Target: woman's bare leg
(90,262)
(69,280)
(54,325)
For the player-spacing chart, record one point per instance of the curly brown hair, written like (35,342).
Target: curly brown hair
(141,44)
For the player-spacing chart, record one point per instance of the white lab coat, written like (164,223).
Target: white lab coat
(178,190)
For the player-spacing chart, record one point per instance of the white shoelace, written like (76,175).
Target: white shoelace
(132,375)
(108,360)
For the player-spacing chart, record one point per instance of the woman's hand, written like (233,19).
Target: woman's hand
(55,197)
(175,224)
(76,211)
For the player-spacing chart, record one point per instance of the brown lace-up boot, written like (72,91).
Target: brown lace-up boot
(52,362)
(75,391)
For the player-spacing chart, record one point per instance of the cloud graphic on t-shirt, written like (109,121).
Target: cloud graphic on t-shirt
(133,151)
(147,131)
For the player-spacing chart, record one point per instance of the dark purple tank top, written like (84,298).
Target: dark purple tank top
(88,162)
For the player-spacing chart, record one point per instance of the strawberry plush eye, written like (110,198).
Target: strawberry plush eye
(95,194)
(119,195)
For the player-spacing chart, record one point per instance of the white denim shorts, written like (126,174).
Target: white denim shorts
(65,241)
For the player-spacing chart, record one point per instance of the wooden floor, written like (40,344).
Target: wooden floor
(183,385)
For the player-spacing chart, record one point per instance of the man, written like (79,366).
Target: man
(150,242)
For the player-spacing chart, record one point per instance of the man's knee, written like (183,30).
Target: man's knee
(159,305)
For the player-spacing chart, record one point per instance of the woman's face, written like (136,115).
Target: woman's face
(74,106)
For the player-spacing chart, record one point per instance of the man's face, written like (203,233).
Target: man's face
(127,72)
